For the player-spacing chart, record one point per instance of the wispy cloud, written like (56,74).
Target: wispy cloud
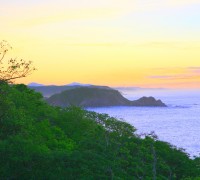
(161,77)
(194,69)
(184,45)
(189,73)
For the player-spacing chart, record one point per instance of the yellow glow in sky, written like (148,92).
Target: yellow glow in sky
(108,42)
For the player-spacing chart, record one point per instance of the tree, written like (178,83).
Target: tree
(12,69)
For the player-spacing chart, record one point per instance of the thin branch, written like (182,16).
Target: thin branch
(13,68)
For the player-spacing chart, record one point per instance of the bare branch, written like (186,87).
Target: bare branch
(13,69)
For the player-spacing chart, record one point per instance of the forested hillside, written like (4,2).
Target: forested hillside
(38,141)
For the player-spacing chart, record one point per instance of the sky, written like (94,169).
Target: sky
(145,43)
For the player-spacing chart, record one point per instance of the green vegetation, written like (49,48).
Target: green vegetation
(38,141)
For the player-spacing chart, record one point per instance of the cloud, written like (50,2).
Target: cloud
(182,45)
(190,73)
(194,69)
(161,77)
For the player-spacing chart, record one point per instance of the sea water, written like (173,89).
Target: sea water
(178,124)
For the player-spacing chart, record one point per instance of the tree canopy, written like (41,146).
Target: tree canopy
(38,141)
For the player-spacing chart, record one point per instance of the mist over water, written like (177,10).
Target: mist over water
(178,124)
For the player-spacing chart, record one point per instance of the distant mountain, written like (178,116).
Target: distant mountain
(77,84)
(137,88)
(33,84)
(50,90)
(95,96)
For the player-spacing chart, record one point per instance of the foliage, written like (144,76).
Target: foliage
(38,141)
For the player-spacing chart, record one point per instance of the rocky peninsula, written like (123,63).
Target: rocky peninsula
(98,96)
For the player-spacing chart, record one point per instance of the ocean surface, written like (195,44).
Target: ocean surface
(178,124)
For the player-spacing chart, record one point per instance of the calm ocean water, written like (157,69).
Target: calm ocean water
(178,124)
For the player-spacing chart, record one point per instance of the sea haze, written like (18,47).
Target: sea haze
(178,124)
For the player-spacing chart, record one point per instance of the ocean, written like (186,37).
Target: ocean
(177,124)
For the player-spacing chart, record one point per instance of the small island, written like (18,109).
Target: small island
(98,96)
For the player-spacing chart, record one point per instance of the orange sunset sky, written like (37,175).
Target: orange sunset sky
(146,43)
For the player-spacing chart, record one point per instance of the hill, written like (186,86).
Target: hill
(95,96)
(50,90)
